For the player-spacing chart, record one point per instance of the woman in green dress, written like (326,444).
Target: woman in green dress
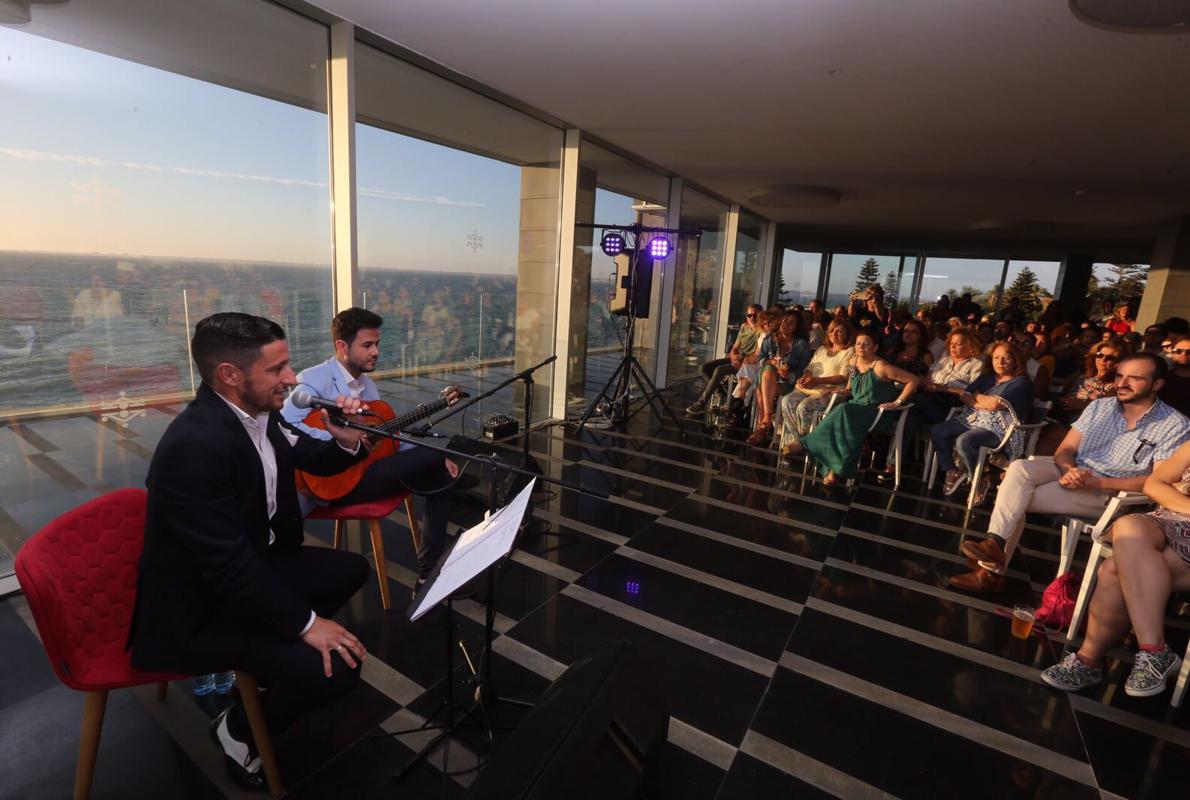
(836,442)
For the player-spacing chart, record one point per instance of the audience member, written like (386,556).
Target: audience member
(942,310)
(998,399)
(749,373)
(825,373)
(1176,391)
(910,351)
(1113,446)
(816,332)
(1150,560)
(744,350)
(1153,336)
(1121,321)
(783,356)
(872,385)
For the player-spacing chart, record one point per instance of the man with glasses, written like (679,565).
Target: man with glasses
(745,350)
(1176,391)
(1153,336)
(1113,446)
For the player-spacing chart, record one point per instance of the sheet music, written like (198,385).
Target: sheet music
(476,549)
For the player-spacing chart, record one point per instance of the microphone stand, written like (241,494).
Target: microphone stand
(485,693)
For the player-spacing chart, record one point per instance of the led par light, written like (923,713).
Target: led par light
(612,243)
(658,248)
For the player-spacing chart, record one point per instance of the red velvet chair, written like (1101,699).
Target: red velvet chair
(78,574)
(373,512)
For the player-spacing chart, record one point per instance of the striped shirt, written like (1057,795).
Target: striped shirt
(1108,448)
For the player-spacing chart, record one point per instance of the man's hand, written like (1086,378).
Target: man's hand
(347,437)
(452,394)
(1078,479)
(327,636)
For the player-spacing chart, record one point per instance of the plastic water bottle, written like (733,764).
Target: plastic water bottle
(204,685)
(224,681)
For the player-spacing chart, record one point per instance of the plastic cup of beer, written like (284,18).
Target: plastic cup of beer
(1022,622)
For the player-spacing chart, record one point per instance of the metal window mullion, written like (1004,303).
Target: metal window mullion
(673,219)
(341,120)
(727,275)
(566,244)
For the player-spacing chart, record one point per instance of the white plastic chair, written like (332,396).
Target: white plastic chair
(1099,552)
(894,453)
(1075,527)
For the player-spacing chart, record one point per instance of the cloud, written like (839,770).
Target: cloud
(192,172)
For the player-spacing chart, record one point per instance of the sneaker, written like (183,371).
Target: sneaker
(1072,675)
(1150,672)
(954,479)
(697,407)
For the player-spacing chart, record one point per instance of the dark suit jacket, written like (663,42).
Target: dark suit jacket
(204,584)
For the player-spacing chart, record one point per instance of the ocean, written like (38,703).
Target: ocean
(84,328)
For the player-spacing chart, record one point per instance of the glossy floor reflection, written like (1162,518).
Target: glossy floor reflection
(803,637)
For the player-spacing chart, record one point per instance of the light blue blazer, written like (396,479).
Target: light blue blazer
(324,380)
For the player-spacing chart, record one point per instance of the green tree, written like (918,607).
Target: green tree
(783,296)
(1027,292)
(1122,283)
(869,273)
(891,284)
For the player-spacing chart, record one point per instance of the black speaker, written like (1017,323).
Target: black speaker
(595,734)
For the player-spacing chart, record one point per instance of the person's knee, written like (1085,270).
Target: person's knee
(1129,529)
(1016,470)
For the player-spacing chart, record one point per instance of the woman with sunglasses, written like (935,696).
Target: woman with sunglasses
(1176,390)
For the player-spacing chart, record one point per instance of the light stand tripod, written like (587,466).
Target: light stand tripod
(629,370)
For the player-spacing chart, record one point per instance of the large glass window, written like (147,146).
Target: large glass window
(1032,283)
(798,279)
(612,190)
(458,210)
(979,277)
(147,181)
(1113,285)
(849,273)
(698,271)
(746,273)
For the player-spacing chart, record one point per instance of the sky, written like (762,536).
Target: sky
(101,155)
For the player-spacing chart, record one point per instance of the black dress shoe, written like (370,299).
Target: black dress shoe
(237,765)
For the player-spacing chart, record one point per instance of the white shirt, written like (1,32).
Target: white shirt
(258,431)
(354,385)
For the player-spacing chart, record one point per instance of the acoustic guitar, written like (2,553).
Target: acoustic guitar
(381,416)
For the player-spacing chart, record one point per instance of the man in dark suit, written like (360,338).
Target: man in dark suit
(224,580)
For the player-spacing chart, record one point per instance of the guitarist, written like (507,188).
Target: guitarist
(421,470)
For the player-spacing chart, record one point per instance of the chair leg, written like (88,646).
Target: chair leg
(381,564)
(162,689)
(94,706)
(1179,689)
(1071,532)
(1084,593)
(976,476)
(414,528)
(250,696)
(338,540)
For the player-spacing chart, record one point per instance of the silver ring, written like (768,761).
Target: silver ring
(339,647)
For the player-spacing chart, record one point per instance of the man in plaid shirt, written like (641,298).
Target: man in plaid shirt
(1113,446)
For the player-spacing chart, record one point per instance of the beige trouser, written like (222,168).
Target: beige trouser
(1032,487)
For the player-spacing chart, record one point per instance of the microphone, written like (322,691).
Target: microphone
(303,399)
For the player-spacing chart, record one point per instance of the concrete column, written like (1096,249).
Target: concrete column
(1073,276)
(537,282)
(1167,291)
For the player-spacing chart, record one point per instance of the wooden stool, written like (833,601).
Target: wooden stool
(373,512)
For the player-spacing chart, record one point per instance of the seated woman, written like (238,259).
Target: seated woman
(1037,370)
(823,375)
(946,380)
(783,356)
(749,372)
(1150,560)
(836,443)
(911,350)
(1098,380)
(999,397)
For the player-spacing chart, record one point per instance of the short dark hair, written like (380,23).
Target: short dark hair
(1160,370)
(1177,326)
(350,321)
(233,337)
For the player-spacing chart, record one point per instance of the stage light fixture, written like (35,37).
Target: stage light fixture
(658,248)
(612,243)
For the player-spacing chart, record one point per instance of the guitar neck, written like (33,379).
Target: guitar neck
(419,413)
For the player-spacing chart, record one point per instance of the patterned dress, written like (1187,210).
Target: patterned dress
(1174,524)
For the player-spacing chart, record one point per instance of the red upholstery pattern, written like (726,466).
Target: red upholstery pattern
(79,577)
(377,509)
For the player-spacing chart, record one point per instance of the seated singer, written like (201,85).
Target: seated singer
(224,580)
(421,470)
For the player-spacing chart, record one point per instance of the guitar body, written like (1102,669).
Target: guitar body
(332,487)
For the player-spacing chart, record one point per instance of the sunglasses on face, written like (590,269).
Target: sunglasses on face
(1181,351)
(750,316)
(1106,357)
